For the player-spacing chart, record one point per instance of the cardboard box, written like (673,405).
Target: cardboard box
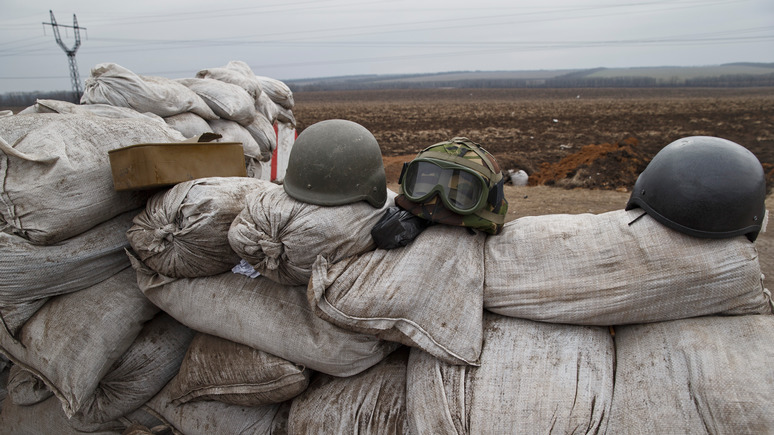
(152,165)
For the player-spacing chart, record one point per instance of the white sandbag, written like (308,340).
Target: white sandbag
(104,110)
(234,132)
(4,113)
(213,417)
(695,376)
(268,108)
(72,341)
(262,130)
(31,273)
(189,124)
(115,85)
(600,270)
(278,91)
(143,370)
(286,116)
(264,315)
(534,378)
(282,237)
(227,100)
(183,231)
(372,402)
(235,77)
(258,169)
(55,172)
(427,294)
(218,369)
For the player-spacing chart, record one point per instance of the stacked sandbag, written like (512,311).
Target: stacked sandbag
(136,377)
(104,110)
(47,417)
(263,315)
(705,375)
(228,100)
(281,237)
(114,85)
(212,416)
(534,378)
(30,274)
(71,342)
(428,294)
(619,267)
(222,370)
(55,172)
(183,231)
(371,402)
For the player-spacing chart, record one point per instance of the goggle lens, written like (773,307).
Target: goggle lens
(460,190)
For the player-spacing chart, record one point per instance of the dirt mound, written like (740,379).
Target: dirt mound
(610,166)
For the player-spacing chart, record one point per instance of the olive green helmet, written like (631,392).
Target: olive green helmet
(336,162)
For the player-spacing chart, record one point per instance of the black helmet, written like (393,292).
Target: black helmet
(704,187)
(336,162)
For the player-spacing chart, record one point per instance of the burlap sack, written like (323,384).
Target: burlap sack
(30,274)
(262,130)
(73,340)
(237,77)
(105,110)
(282,237)
(55,172)
(534,378)
(112,84)
(427,294)
(218,369)
(695,376)
(232,131)
(26,389)
(619,267)
(138,375)
(264,315)
(183,231)
(188,124)
(212,417)
(278,91)
(227,100)
(372,402)
(47,417)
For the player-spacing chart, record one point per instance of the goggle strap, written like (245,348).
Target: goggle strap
(492,177)
(490,216)
(476,148)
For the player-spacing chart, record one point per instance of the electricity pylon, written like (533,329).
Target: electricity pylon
(74,76)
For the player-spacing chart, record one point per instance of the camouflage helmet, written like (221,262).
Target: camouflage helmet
(704,186)
(456,182)
(336,162)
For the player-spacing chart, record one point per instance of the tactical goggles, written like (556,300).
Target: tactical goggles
(461,189)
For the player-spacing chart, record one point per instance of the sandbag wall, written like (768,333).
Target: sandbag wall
(231,100)
(222,305)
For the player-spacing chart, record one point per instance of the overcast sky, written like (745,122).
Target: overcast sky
(321,38)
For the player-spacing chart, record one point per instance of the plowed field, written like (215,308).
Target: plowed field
(534,129)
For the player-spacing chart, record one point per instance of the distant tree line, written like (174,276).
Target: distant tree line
(578,79)
(25,99)
(572,80)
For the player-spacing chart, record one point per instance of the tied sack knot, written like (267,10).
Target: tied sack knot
(162,236)
(272,251)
